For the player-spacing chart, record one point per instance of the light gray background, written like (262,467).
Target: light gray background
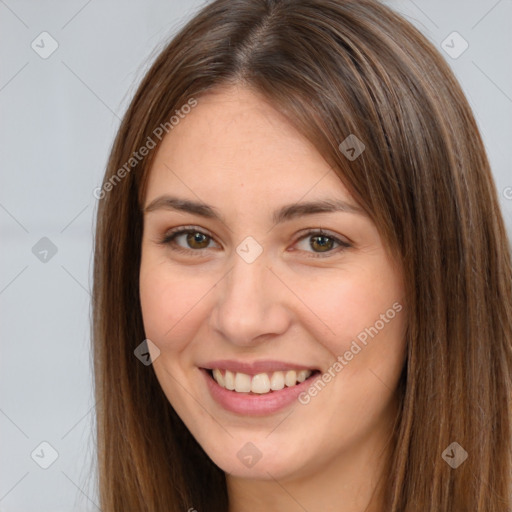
(58,118)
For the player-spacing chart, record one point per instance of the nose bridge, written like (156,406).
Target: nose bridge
(245,280)
(248,304)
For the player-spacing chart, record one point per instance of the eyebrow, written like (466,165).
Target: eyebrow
(283,214)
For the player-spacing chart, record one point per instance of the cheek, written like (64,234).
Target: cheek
(170,304)
(354,305)
(367,351)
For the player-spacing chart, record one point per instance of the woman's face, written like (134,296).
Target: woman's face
(255,294)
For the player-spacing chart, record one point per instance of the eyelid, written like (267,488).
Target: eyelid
(173,233)
(322,232)
(343,244)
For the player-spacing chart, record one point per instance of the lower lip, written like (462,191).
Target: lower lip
(254,404)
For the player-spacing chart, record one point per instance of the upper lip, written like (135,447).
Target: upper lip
(253,367)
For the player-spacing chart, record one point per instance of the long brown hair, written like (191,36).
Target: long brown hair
(334,68)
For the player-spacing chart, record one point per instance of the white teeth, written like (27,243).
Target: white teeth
(303,375)
(290,379)
(277,381)
(229,380)
(217,375)
(242,383)
(261,383)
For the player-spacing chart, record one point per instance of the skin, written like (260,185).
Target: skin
(236,153)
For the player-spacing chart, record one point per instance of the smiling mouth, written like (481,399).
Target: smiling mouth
(261,383)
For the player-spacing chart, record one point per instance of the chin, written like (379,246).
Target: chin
(260,460)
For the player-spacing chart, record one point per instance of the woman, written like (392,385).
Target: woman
(299,228)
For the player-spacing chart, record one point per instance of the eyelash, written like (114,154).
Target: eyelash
(170,236)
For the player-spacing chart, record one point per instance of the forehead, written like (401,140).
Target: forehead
(234,142)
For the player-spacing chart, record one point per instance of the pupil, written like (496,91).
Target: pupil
(197,238)
(322,241)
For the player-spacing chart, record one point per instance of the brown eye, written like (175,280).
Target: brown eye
(197,240)
(187,240)
(321,243)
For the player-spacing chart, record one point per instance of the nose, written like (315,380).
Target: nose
(250,305)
